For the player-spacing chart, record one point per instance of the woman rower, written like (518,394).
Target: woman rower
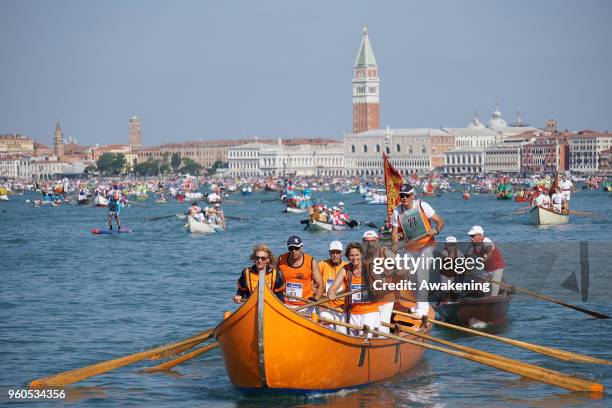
(359,309)
(262,258)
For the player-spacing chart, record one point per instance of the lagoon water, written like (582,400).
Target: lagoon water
(69,298)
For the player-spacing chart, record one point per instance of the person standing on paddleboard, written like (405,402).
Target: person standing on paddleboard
(114,208)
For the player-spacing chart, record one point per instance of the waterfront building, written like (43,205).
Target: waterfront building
(409,150)
(366,88)
(135,133)
(12,144)
(464,161)
(585,148)
(205,153)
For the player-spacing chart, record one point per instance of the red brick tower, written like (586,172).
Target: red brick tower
(366,88)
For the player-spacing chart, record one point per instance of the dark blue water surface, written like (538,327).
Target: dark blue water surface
(70,298)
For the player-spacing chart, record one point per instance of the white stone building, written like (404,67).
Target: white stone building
(585,149)
(466,160)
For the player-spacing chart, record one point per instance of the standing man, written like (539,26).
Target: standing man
(300,270)
(567,188)
(219,212)
(114,208)
(414,218)
(484,248)
(329,270)
(558,201)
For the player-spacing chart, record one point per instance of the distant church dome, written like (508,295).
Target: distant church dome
(475,123)
(497,122)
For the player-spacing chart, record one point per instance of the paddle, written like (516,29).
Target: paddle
(549,351)
(181,359)
(522,210)
(584,214)
(79,374)
(231,217)
(163,217)
(502,363)
(546,298)
(541,374)
(325,299)
(268,201)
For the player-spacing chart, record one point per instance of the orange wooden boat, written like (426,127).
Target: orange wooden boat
(266,345)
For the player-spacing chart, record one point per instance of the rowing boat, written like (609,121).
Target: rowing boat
(266,345)
(295,210)
(199,227)
(100,201)
(546,216)
(474,312)
(316,226)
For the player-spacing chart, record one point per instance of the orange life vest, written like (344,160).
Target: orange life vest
(329,273)
(359,302)
(252,279)
(298,280)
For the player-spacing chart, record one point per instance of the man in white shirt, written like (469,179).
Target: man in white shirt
(415,219)
(567,187)
(557,200)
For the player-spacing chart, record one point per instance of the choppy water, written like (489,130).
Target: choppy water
(70,298)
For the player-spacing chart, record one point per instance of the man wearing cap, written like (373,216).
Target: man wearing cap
(220,215)
(484,248)
(300,270)
(414,218)
(386,298)
(329,269)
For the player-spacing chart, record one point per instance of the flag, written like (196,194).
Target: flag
(393,182)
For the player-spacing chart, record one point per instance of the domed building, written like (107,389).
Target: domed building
(497,122)
(475,123)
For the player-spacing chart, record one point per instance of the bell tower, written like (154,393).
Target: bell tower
(366,88)
(58,141)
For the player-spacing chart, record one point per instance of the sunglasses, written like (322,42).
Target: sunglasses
(294,248)
(336,252)
(261,258)
(405,195)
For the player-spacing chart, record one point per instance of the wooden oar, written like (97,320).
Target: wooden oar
(162,217)
(231,217)
(516,367)
(181,359)
(522,210)
(546,298)
(79,374)
(549,351)
(584,214)
(562,377)
(269,201)
(325,299)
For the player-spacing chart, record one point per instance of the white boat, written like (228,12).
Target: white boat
(377,200)
(193,195)
(213,198)
(295,210)
(4,197)
(546,216)
(324,226)
(100,201)
(199,227)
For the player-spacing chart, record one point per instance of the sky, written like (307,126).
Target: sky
(209,70)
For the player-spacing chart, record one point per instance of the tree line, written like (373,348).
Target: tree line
(113,164)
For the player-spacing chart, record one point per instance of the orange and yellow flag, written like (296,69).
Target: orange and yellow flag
(393,182)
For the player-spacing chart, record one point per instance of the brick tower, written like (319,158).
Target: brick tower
(366,88)
(135,132)
(58,141)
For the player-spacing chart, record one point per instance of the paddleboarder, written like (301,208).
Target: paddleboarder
(114,208)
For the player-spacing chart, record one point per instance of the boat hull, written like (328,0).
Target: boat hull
(471,311)
(544,216)
(100,201)
(316,226)
(198,227)
(295,210)
(266,345)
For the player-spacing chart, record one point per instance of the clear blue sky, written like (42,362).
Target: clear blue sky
(230,69)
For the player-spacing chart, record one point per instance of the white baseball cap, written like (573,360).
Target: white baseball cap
(341,204)
(476,229)
(335,246)
(370,234)
(451,240)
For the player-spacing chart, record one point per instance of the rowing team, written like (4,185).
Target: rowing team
(210,215)
(334,215)
(558,201)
